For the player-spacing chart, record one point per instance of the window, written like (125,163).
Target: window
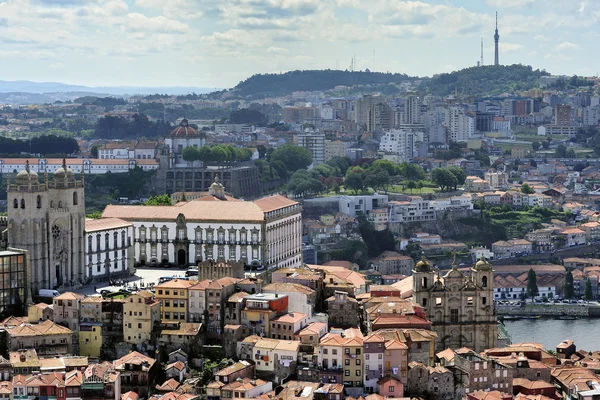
(454,316)
(438,301)
(142,233)
(366,356)
(358,372)
(181,234)
(23,203)
(484,300)
(346,372)
(358,361)
(347,361)
(424,283)
(391,389)
(39,202)
(16,203)
(470,300)
(74,198)
(325,351)
(424,302)
(231,252)
(484,281)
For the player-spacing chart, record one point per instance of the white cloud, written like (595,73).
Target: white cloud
(505,47)
(567,46)
(510,3)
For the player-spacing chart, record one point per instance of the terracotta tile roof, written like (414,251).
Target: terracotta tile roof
(280,287)
(6,387)
(73,378)
(291,318)
(312,329)
(75,361)
(134,358)
(129,396)
(168,386)
(175,284)
(243,385)
(13,321)
(185,329)
(272,203)
(103,224)
(178,365)
(237,297)
(42,305)
(24,358)
(526,383)
(69,296)
(44,328)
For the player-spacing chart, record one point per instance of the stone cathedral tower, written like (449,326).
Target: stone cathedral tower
(460,307)
(48,220)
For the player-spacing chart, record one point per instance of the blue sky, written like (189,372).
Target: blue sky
(217,43)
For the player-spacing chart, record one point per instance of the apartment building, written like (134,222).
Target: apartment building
(142,313)
(173,298)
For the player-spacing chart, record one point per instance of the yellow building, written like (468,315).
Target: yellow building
(173,298)
(90,339)
(140,312)
(353,362)
(39,312)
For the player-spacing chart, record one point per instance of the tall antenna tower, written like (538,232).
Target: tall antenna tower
(481,51)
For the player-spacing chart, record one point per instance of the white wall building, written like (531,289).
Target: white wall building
(89,166)
(108,247)
(416,209)
(354,205)
(402,142)
(315,143)
(183,136)
(265,232)
(461,127)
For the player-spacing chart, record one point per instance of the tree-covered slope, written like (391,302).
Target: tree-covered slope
(488,80)
(272,85)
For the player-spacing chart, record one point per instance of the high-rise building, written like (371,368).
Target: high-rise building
(496,40)
(315,143)
(363,106)
(48,220)
(562,114)
(381,117)
(402,142)
(412,110)
(461,127)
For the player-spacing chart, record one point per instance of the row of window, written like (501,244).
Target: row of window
(38,202)
(210,234)
(124,241)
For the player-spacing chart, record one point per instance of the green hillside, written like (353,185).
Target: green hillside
(488,80)
(272,85)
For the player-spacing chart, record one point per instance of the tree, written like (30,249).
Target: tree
(546,144)
(535,145)
(378,179)
(444,178)
(569,290)
(459,174)
(561,151)
(294,157)
(161,200)
(386,165)
(94,150)
(190,154)
(262,150)
(303,183)
(411,172)
(532,287)
(412,185)
(525,188)
(355,179)
(589,295)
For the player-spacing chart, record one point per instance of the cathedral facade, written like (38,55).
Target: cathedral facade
(460,307)
(48,220)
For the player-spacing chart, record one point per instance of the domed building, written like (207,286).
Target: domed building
(460,307)
(47,219)
(181,137)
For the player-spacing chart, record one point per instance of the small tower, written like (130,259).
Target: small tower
(423,281)
(496,40)
(217,189)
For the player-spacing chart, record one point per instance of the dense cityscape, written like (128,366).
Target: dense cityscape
(313,234)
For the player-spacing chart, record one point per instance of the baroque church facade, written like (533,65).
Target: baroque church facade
(48,220)
(460,307)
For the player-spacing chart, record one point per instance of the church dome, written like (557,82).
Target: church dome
(59,173)
(482,265)
(184,130)
(423,265)
(26,175)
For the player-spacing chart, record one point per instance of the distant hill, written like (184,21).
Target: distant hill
(475,81)
(488,80)
(273,85)
(57,87)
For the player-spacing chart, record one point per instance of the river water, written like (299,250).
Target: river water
(585,332)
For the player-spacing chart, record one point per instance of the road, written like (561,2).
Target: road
(142,275)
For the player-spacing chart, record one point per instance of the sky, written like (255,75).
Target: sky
(217,43)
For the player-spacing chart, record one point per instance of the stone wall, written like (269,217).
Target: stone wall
(553,310)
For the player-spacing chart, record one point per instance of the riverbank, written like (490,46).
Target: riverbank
(550,332)
(549,310)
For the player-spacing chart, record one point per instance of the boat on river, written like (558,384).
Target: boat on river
(567,317)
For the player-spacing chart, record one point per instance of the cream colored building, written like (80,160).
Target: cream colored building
(140,313)
(67,308)
(173,298)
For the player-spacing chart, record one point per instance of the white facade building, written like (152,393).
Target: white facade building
(354,205)
(265,232)
(402,142)
(315,143)
(89,166)
(108,247)
(183,136)
(461,127)
(591,116)
(415,209)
